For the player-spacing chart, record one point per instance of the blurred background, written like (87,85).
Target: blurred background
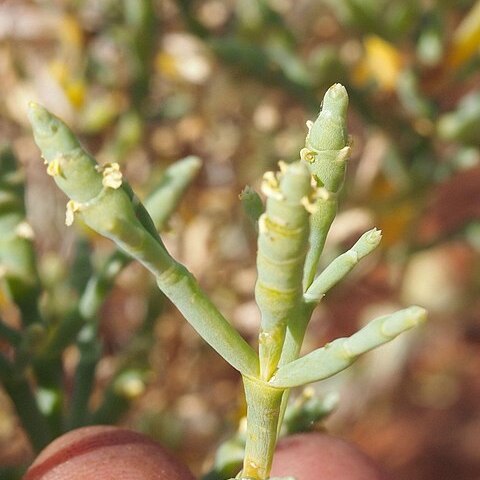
(147,82)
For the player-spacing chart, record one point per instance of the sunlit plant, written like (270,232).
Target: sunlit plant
(293,222)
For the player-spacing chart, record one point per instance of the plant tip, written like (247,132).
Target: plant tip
(337,90)
(35,108)
(335,101)
(40,118)
(375,235)
(193,160)
(418,314)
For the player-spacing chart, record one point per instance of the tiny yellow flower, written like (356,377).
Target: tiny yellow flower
(72,207)
(112,176)
(54,169)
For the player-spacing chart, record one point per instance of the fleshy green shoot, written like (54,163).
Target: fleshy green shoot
(301,202)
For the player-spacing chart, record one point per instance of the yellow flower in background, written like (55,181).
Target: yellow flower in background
(381,63)
(72,84)
(67,68)
(75,91)
(466,39)
(3,297)
(166,65)
(70,33)
(59,71)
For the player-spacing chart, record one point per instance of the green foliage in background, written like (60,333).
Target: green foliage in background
(411,72)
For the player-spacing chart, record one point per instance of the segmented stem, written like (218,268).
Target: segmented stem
(300,207)
(342,265)
(263,408)
(342,352)
(282,246)
(326,152)
(99,198)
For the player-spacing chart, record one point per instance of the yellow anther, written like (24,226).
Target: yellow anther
(271,179)
(54,169)
(307,155)
(310,207)
(72,207)
(320,193)
(270,186)
(112,176)
(262,227)
(282,166)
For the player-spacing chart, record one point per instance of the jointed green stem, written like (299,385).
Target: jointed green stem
(262,423)
(342,352)
(282,246)
(160,204)
(301,204)
(342,265)
(326,153)
(295,334)
(180,287)
(320,222)
(96,194)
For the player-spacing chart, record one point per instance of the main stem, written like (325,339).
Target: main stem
(291,347)
(263,410)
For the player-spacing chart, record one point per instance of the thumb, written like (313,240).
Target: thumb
(107,453)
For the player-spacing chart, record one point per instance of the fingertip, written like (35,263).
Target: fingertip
(107,453)
(318,456)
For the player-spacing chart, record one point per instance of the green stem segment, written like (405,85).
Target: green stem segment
(342,265)
(342,352)
(326,153)
(160,204)
(282,246)
(97,197)
(262,423)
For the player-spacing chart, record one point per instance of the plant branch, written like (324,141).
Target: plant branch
(342,265)
(342,352)
(97,197)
